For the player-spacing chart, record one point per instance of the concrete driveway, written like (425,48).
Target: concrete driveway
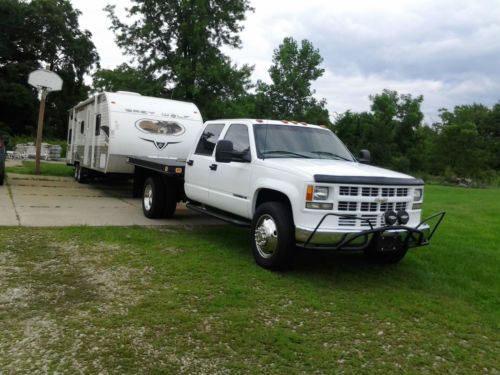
(41,201)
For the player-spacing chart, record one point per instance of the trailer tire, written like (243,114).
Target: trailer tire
(2,177)
(170,199)
(153,197)
(79,174)
(273,240)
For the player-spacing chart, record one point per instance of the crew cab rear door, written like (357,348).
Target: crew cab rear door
(197,178)
(229,182)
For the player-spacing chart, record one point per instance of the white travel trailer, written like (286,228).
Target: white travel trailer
(109,127)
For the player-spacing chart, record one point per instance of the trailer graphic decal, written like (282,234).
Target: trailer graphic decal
(159,145)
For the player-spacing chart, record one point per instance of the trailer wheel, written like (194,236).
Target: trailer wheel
(79,174)
(273,240)
(153,197)
(170,199)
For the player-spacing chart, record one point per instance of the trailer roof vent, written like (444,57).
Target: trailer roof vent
(128,93)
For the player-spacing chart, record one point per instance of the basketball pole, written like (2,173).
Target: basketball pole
(39,132)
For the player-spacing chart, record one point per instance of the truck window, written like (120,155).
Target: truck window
(97,124)
(208,139)
(285,141)
(238,134)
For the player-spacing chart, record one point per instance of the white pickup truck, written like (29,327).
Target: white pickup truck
(294,184)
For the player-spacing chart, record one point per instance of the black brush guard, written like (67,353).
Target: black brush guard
(413,237)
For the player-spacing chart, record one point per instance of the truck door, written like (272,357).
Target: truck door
(199,163)
(229,182)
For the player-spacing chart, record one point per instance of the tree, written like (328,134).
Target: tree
(179,42)
(390,131)
(127,78)
(41,34)
(469,140)
(290,94)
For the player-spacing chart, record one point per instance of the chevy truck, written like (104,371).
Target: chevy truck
(295,185)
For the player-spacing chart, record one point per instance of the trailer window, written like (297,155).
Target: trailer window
(105,129)
(208,139)
(82,127)
(98,125)
(70,133)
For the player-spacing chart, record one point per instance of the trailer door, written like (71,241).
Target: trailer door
(89,134)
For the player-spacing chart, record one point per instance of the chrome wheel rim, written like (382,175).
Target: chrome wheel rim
(148,197)
(266,236)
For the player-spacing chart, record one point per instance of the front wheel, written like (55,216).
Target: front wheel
(273,239)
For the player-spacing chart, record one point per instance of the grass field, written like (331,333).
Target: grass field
(192,301)
(46,169)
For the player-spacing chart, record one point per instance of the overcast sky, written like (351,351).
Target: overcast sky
(446,50)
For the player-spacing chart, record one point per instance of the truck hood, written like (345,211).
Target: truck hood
(311,167)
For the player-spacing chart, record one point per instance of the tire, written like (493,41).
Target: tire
(273,237)
(170,196)
(2,178)
(153,197)
(79,174)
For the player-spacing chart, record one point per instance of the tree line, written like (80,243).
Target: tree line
(175,50)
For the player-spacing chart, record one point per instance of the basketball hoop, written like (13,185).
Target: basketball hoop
(44,81)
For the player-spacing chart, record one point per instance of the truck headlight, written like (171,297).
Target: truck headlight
(320,193)
(417,194)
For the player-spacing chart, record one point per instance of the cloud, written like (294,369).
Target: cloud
(447,50)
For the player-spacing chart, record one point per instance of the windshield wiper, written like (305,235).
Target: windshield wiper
(284,152)
(330,154)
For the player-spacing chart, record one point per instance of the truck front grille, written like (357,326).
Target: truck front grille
(369,202)
(371,206)
(349,190)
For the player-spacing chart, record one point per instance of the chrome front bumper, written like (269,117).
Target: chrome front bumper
(358,240)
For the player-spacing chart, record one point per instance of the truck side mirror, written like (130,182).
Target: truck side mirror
(364,157)
(224,151)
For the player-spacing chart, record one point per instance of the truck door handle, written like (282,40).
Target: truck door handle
(190,162)
(213,167)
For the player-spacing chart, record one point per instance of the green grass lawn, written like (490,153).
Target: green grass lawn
(46,169)
(192,301)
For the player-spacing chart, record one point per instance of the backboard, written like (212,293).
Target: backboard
(45,79)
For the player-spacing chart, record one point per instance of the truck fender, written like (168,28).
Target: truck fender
(287,189)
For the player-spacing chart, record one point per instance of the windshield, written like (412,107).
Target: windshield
(282,141)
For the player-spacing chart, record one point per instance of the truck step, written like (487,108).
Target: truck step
(235,220)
